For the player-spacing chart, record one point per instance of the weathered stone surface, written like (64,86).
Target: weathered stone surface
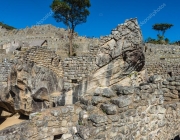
(98,118)
(121,101)
(98,91)
(107,92)
(114,105)
(119,46)
(31,83)
(116,64)
(155,78)
(109,109)
(41,94)
(97,99)
(134,119)
(121,90)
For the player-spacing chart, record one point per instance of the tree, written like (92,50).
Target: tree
(74,48)
(162,27)
(71,13)
(176,43)
(167,40)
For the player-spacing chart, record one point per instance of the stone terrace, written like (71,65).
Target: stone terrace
(44,57)
(57,38)
(162,59)
(79,67)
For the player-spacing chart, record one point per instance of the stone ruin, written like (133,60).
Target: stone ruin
(31,81)
(57,39)
(162,60)
(116,100)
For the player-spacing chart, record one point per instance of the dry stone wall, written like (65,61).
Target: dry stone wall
(45,57)
(5,68)
(79,67)
(116,102)
(162,59)
(47,125)
(2,51)
(57,38)
(149,111)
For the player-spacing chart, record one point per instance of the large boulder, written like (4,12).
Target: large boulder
(120,60)
(30,86)
(124,41)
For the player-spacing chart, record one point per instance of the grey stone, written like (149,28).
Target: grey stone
(55,113)
(98,118)
(170,79)
(123,90)
(155,78)
(175,83)
(145,87)
(113,118)
(109,109)
(117,138)
(100,137)
(97,99)
(84,132)
(2,137)
(130,112)
(64,110)
(165,82)
(98,91)
(84,101)
(107,92)
(121,101)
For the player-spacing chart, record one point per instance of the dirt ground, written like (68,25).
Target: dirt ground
(11,121)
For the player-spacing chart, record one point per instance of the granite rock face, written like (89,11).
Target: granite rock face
(30,85)
(120,59)
(125,41)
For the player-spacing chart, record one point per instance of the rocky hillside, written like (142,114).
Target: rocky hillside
(5,26)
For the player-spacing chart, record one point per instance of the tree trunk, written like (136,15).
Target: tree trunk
(71,43)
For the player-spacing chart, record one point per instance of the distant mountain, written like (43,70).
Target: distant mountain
(8,27)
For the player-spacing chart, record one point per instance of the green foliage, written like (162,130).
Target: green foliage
(71,13)
(176,43)
(162,27)
(151,40)
(6,26)
(167,40)
(160,37)
(160,40)
(80,122)
(135,73)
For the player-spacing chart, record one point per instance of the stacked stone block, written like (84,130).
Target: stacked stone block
(4,73)
(57,38)
(45,57)
(149,111)
(78,68)
(50,125)
(162,59)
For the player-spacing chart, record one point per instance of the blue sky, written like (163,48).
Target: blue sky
(105,15)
